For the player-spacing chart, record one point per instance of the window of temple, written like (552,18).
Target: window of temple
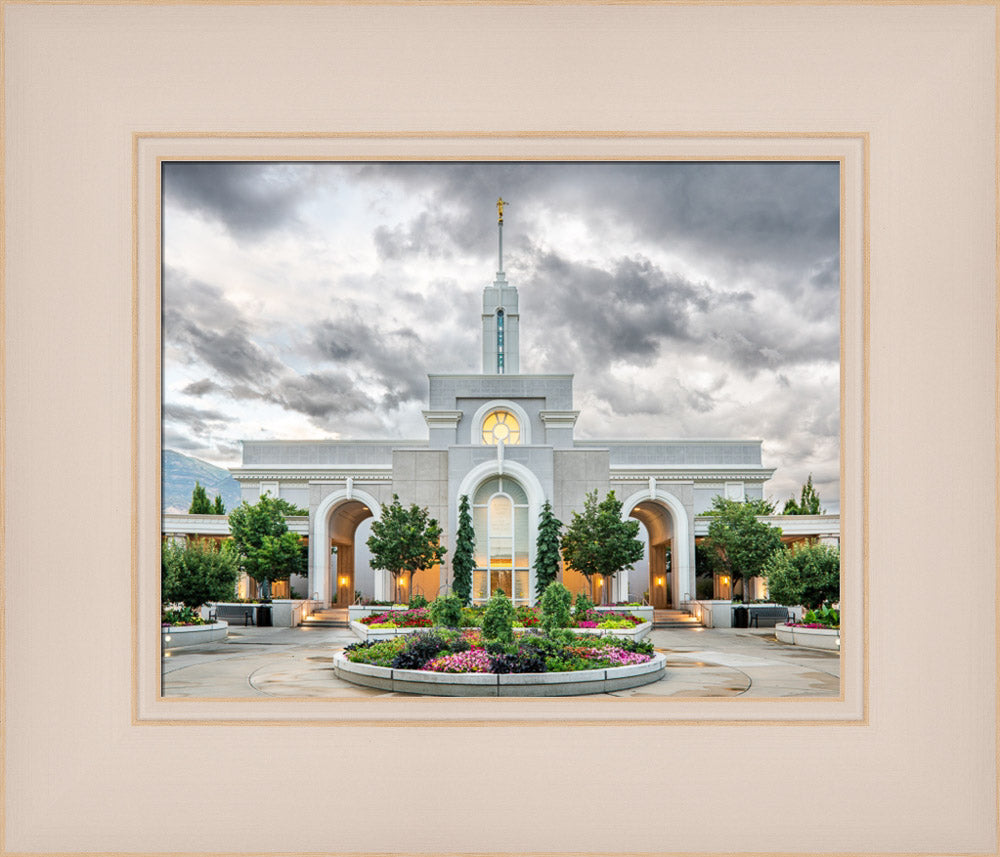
(500,521)
(501,427)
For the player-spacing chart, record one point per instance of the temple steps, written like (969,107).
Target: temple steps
(674,619)
(331,617)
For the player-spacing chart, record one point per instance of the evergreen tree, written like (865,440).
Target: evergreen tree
(218,508)
(546,549)
(808,503)
(404,541)
(463,561)
(742,544)
(599,542)
(200,504)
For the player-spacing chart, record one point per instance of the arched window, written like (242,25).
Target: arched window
(501,427)
(500,520)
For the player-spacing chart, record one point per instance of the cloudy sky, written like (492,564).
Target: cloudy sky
(689,299)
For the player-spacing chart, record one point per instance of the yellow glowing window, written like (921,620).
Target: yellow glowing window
(501,427)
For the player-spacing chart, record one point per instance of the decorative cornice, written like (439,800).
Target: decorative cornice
(442,419)
(559,419)
(682,473)
(376,473)
(790,525)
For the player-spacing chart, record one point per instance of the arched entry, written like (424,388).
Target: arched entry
(506,498)
(666,522)
(335,524)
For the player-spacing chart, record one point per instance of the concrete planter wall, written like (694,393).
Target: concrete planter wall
(639,632)
(811,638)
(285,612)
(175,636)
(712,614)
(578,683)
(644,612)
(359,611)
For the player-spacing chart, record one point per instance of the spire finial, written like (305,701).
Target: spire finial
(501,202)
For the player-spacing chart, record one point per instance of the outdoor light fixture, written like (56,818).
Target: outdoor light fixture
(166,638)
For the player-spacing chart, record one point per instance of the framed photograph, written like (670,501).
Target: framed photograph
(346,353)
(125,189)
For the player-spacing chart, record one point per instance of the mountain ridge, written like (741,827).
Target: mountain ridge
(179,473)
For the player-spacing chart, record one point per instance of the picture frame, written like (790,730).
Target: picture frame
(114,775)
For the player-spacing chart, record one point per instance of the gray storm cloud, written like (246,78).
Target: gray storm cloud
(686,297)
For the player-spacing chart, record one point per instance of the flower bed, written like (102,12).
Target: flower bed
(460,663)
(445,650)
(606,619)
(180,616)
(417,618)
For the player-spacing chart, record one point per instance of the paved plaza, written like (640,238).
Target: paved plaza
(298,662)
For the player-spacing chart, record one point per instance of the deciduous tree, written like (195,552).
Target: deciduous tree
(264,547)
(404,540)
(806,575)
(196,573)
(599,543)
(742,544)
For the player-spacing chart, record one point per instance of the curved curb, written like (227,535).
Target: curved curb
(577,683)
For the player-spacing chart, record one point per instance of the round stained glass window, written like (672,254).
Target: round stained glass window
(501,427)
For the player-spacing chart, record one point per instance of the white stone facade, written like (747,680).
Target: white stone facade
(510,435)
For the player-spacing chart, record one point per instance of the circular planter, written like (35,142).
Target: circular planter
(810,638)
(175,636)
(426,683)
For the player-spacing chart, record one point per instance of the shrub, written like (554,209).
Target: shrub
(582,605)
(446,610)
(417,601)
(555,607)
(420,648)
(183,616)
(825,616)
(807,575)
(524,660)
(498,620)
(472,617)
(704,588)
(380,653)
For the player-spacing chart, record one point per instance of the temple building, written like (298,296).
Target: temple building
(505,438)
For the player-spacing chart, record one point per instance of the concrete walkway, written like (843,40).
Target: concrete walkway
(297,662)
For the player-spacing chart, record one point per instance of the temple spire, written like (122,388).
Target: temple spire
(500,316)
(501,202)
